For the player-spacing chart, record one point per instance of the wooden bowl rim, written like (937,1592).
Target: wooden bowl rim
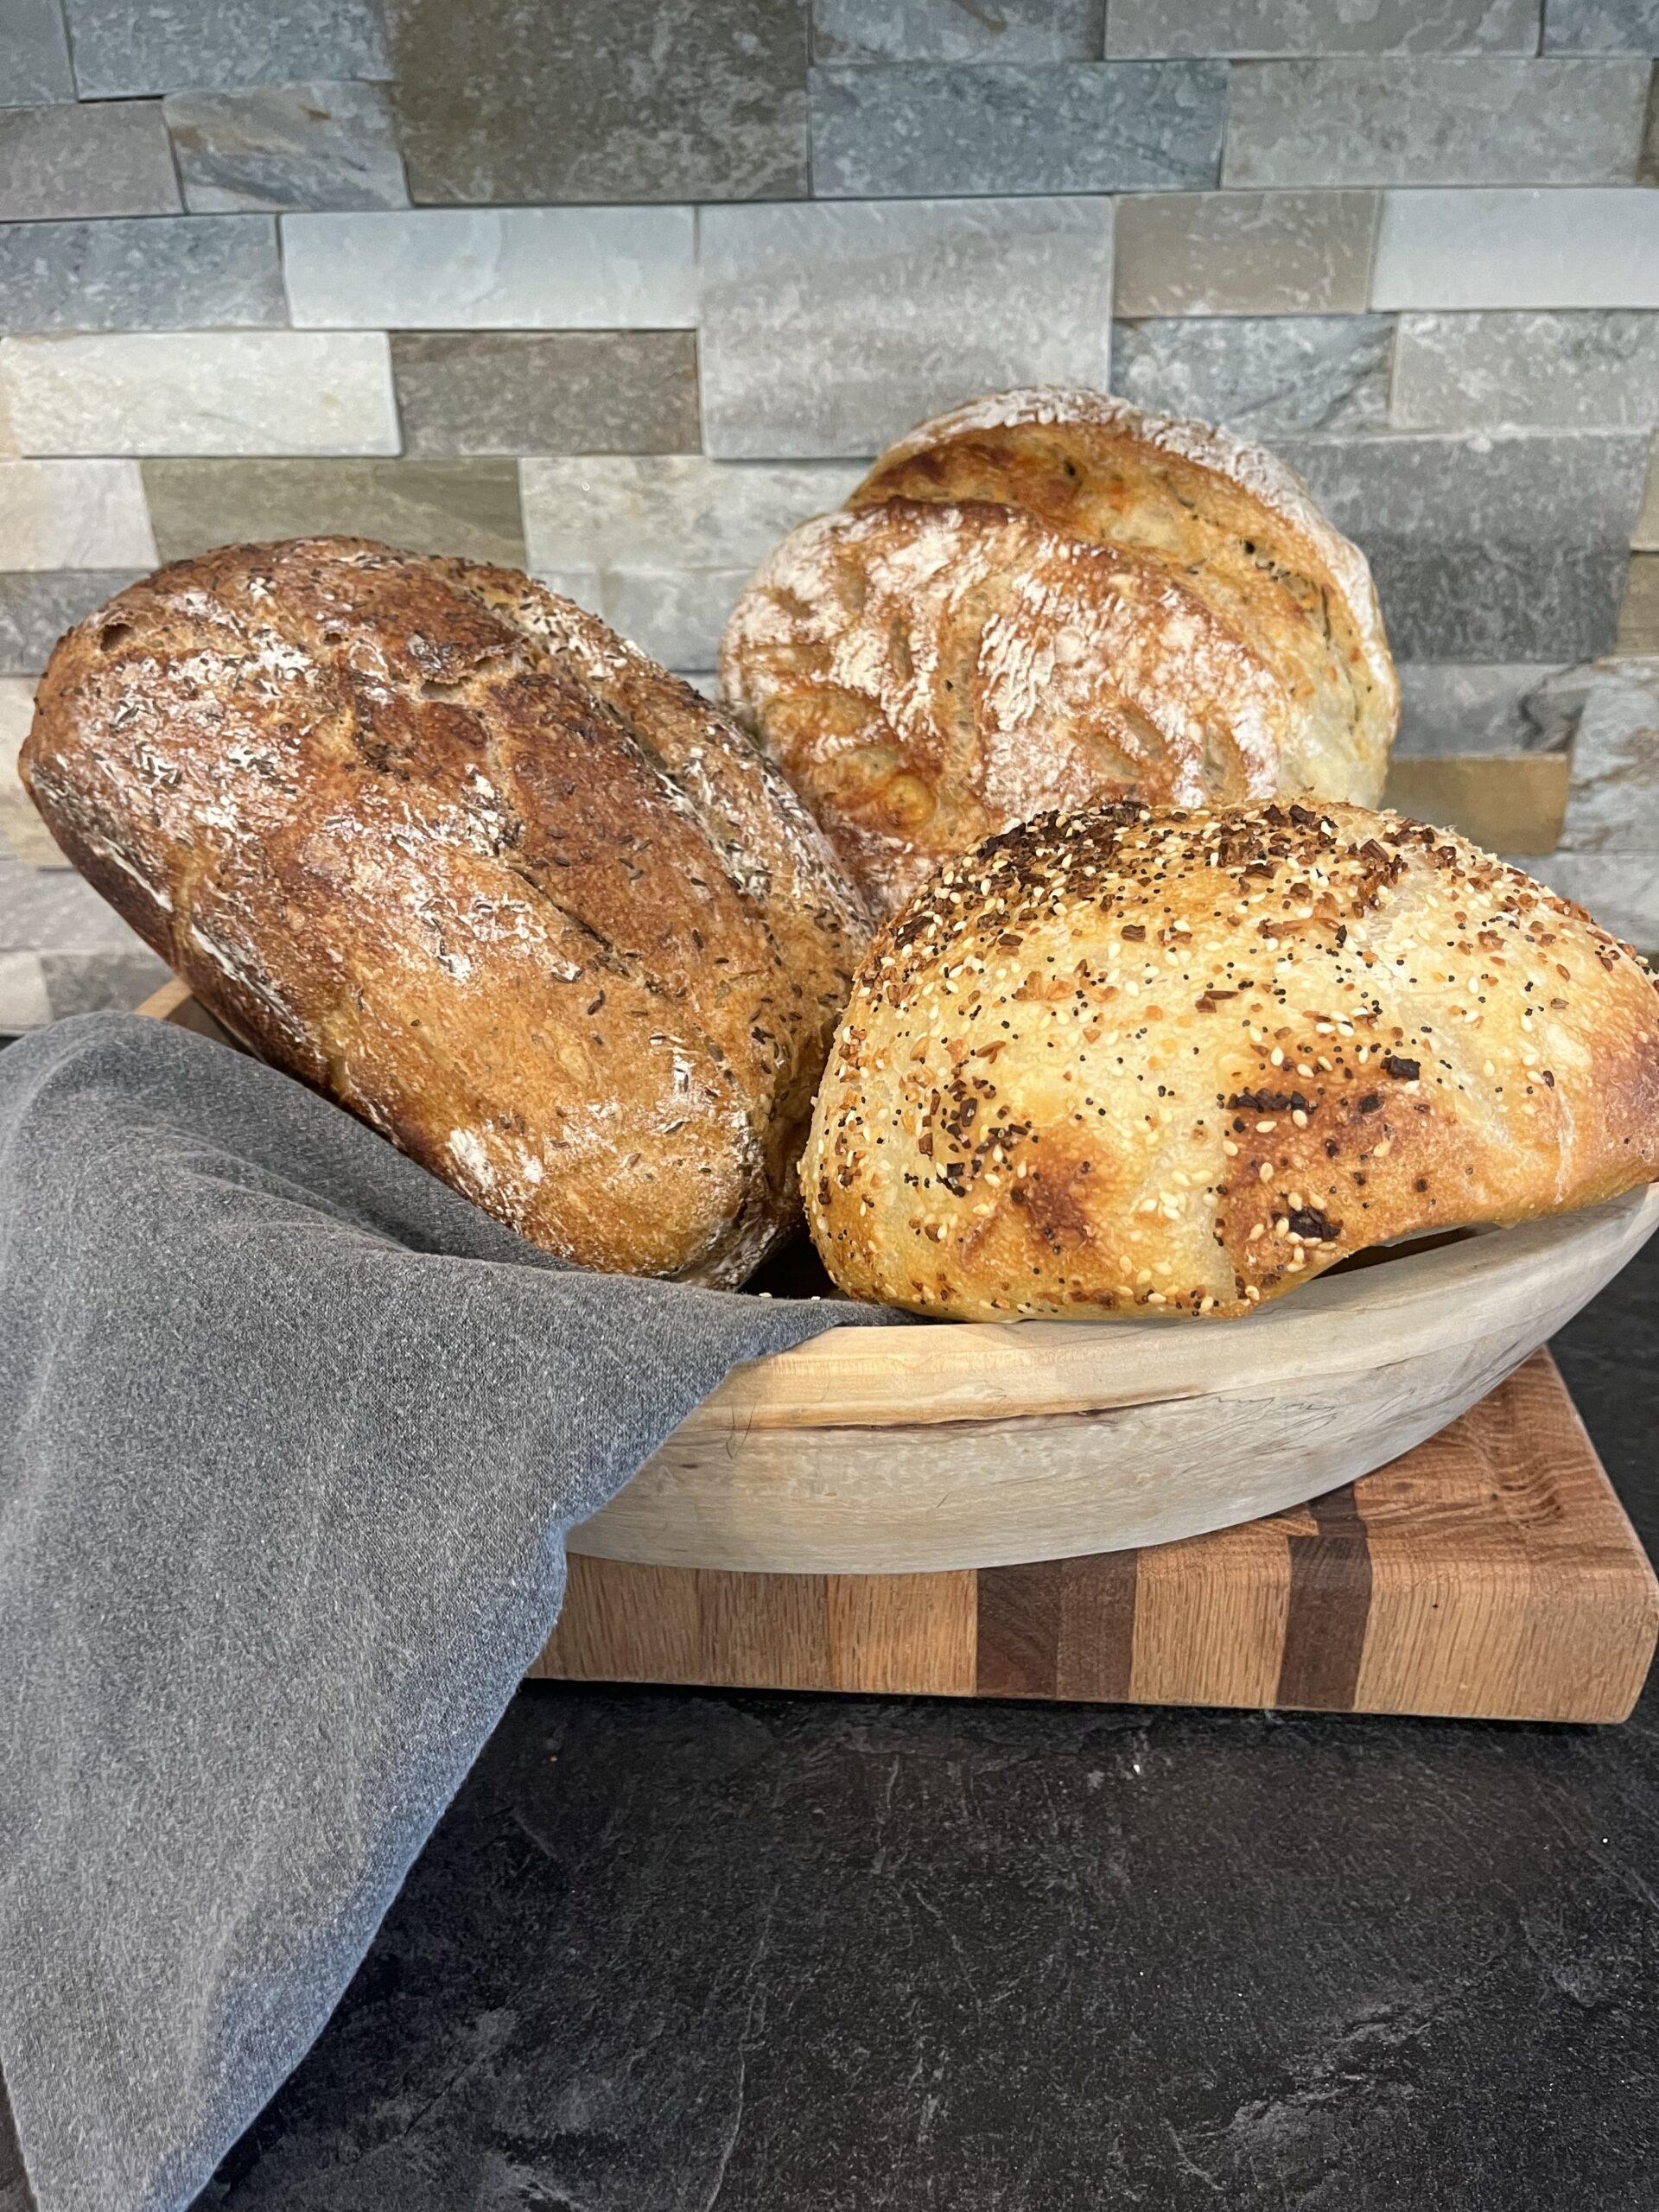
(939,1372)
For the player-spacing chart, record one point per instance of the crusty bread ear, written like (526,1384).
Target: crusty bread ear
(1131,1059)
(1047,599)
(441,844)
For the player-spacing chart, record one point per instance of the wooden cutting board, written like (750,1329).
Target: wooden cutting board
(1492,1572)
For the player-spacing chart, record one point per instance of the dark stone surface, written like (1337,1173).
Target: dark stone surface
(678,1950)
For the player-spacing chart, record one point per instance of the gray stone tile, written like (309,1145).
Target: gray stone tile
(493,269)
(1455,707)
(1257,253)
(1259,373)
(1582,371)
(829,328)
(1517,249)
(192,272)
(1405,122)
(98,158)
(162,46)
(1621,890)
(1612,802)
(1601,27)
(74,514)
(669,513)
(100,982)
(503,100)
(55,911)
(465,507)
(201,391)
(1262,28)
(662,548)
(37,605)
(316,145)
(575,391)
(956,30)
(34,54)
(1486,549)
(923,130)
(676,617)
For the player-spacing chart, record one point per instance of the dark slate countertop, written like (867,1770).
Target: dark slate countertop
(674,1951)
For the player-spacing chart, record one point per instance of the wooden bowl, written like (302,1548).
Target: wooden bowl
(947,1446)
(983,1445)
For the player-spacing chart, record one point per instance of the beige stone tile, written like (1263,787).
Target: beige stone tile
(100,157)
(214,391)
(1638,618)
(1645,537)
(19,822)
(556,392)
(1244,252)
(72,514)
(464,507)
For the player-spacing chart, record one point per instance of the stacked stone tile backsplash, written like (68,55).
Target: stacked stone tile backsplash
(620,289)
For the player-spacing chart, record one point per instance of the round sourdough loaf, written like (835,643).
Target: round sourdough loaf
(928,675)
(926,685)
(1132,1060)
(442,845)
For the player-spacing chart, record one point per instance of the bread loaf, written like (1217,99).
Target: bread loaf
(1133,1060)
(443,846)
(1226,594)
(928,675)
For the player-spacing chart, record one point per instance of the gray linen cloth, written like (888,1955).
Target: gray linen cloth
(290,1435)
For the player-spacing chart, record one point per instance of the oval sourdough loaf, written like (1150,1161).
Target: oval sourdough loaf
(442,845)
(1132,1059)
(1230,648)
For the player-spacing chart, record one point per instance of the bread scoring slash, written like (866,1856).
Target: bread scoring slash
(433,840)
(1133,1060)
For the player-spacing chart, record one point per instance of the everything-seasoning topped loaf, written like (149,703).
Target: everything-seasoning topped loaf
(1183,1061)
(440,843)
(1046,599)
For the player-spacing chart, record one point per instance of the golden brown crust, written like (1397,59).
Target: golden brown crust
(1234,523)
(1186,1061)
(444,847)
(929,674)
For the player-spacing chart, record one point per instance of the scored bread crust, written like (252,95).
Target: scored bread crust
(928,674)
(1183,1061)
(1239,525)
(443,846)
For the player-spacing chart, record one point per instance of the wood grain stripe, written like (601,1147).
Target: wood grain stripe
(1097,1648)
(1018,1630)
(1330,1604)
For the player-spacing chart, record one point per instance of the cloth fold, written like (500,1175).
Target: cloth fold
(290,1435)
